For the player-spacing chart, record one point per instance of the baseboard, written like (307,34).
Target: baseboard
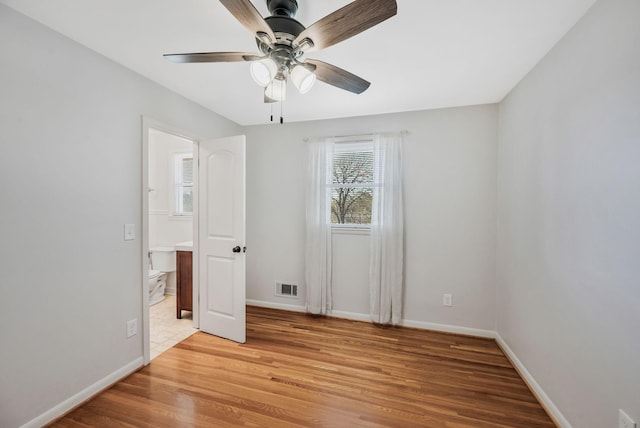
(534,386)
(446,328)
(273,305)
(82,396)
(365,317)
(300,308)
(350,316)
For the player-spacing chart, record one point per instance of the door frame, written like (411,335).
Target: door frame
(148,123)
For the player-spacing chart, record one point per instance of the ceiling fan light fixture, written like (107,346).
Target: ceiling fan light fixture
(303,78)
(282,41)
(263,71)
(277,89)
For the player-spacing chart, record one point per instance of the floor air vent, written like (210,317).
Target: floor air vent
(286,290)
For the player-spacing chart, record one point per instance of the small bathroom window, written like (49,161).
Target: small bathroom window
(183,184)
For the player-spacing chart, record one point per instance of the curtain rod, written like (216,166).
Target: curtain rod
(402,132)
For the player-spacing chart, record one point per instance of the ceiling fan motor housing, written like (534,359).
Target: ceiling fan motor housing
(285,28)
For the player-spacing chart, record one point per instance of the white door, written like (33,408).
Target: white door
(221,237)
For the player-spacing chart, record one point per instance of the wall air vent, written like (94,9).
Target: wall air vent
(286,290)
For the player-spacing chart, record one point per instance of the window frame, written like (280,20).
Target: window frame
(346,145)
(177,208)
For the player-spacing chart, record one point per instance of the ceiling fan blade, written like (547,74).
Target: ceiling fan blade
(212,57)
(338,77)
(346,22)
(245,12)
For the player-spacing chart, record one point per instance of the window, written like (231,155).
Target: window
(352,183)
(356,185)
(183,184)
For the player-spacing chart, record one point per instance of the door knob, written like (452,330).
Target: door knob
(236,249)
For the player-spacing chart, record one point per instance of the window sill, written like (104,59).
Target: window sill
(186,217)
(350,230)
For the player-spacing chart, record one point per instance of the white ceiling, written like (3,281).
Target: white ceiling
(432,54)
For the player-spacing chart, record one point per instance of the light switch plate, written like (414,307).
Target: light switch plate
(129,232)
(447,300)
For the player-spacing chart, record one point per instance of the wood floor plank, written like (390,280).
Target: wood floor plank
(298,370)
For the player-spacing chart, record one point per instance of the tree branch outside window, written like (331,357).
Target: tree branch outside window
(352,183)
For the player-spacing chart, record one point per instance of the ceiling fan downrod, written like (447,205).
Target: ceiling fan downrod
(282,7)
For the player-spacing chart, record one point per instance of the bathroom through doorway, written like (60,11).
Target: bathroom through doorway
(168,218)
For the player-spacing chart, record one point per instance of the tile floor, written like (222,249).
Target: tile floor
(165,329)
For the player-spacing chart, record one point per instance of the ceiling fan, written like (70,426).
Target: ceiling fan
(282,41)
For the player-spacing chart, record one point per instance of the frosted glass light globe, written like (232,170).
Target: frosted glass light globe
(263,71)
(303,78)
(277,89)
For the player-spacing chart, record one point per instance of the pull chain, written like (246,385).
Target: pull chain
(281,119)
(282,89)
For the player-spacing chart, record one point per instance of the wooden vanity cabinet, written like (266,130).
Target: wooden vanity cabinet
(184,282)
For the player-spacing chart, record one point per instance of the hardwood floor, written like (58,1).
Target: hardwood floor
(298,370)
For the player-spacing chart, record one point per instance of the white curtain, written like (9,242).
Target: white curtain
(318,242)
(387,232)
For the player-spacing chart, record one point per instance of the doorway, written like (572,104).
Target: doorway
(215,194)
(167,226)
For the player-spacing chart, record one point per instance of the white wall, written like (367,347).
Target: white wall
(70,178)
(450,198)
(569,218)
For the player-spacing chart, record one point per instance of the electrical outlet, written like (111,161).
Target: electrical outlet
(624,421)
(447,300)
(129,232)
(132,327)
